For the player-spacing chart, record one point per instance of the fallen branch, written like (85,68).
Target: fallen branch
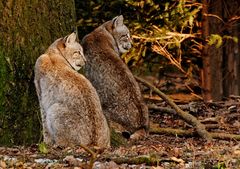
(211,126)
(168,110)
(225,136)
(162,109)
(154,129)
(200,128)
(171,131)
(150,160)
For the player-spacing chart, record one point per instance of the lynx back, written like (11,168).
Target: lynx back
(70,107)
(119,92)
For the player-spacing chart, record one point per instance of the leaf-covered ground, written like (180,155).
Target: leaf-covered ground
(157,151)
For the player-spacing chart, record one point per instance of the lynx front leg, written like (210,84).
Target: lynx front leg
(46,134)
(47,137)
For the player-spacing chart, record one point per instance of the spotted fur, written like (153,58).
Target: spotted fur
(70,107)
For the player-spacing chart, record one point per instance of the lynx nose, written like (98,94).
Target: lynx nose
(130,40)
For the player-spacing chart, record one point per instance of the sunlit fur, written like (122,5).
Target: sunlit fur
(70,107)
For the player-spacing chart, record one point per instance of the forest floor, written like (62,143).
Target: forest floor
(158,151)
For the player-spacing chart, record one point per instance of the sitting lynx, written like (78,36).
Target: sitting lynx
(118,90)
(70,107)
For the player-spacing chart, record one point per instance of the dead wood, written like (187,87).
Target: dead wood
(150,160)
(200,128)
(155,129)
(225,136)
(234,97)
(211,126)
(188,107)
(162,109)
(211,120)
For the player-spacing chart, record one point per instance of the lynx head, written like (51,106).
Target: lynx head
(121,34)
(73,51)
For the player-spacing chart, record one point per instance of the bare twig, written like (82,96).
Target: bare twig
(216,16)
(161,50)
(93,155)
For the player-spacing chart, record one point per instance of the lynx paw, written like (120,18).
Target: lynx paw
(138,135)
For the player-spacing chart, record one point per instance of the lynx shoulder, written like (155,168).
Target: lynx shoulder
(118,90)
(70,107)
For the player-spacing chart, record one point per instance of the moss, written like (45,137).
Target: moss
(28,28)
(117,139)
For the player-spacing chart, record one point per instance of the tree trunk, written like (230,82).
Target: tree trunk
(221,66)
(212,56)
(27,28)
(231,51)
(206,71)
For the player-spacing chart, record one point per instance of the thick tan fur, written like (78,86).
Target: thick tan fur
(118,90)
(70,107)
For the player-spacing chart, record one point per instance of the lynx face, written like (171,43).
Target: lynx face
(73,52)
(121,35)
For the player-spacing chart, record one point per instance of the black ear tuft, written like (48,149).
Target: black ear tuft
(74,29)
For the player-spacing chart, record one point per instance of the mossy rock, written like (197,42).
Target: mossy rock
(117,139)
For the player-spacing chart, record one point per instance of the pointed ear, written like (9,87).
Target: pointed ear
(70,38)
(117,21)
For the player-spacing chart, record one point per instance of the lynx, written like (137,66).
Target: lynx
(117,88)
(70,107)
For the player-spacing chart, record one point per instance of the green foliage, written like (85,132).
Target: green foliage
(215,39)
(5,78)
(91,14)
(235,39)
(117,139)
(163,32)
(42,147)
(220,165)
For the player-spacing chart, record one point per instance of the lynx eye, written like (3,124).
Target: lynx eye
(77,52)
(124,36)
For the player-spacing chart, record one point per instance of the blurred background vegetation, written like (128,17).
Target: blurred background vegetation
(163,32)
(195,38)
(27,28)
(168,38)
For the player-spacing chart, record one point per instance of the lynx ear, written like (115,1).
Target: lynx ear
(70,38)
(117,21)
